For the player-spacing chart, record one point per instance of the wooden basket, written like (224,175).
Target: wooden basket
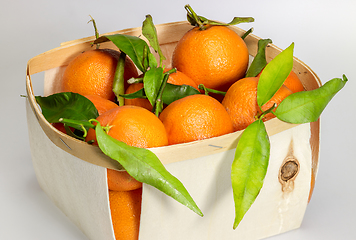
(73,173)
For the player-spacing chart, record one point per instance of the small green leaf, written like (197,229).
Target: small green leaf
(133,46)
(67,105)
(235,21)
(138,94)
(144,166)
(152,81)
(249,167)
(259,61)
(307,106)
(150,32)
(173,92)
(274,75)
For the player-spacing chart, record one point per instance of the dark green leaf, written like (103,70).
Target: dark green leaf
(307,106)
(149,31)
(138,94)
(173,92)
(133,46)
(144,166)
(249,167)
(259,61)
(152,81)
(67,105)
(274,75)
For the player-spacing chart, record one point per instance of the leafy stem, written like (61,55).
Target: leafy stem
(263,113)
(201,22)
(95,30)
(158,106)
(210,90)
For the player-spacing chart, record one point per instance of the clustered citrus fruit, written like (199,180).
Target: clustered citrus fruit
(216,57)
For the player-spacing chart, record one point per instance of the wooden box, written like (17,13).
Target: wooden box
(73,173)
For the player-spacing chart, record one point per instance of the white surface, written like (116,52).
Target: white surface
(324,35)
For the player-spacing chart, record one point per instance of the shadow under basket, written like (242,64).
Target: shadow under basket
(73,173)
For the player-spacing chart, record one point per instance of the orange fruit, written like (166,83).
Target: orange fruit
(92,73)
(121,181)
(240,102)
(140,102)
(125,213)
(134,126)
(216,57)
(195,117)
(101,104)
(177,78)
(292,82)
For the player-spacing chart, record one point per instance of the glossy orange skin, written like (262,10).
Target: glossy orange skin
(125,213)
(195,117)
(216,57)
(92,73)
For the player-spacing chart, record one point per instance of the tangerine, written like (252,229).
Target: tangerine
(195,117)
(292,82)
(216,57)
(240,102)
(134,126)
(140,102)
(92,73)
(125,210)
(101,104)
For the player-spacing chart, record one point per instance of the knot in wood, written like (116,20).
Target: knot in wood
(289,170)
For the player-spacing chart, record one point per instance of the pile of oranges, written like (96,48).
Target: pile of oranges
(216,57)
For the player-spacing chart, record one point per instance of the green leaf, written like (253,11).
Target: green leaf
(249,167)
(235,21)
(259,61)
(149,31)
(173,92)
(135,47)
(274,75)
(138,94)
(307,106)
(152,81)
(67,105)
(144,166)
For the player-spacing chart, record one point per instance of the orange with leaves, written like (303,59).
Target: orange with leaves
(240,102)
(125,213)
(195,117)
(101,104)
(92,73)
(216,57)
(134,126)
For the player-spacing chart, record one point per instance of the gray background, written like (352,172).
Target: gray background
(324,33)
